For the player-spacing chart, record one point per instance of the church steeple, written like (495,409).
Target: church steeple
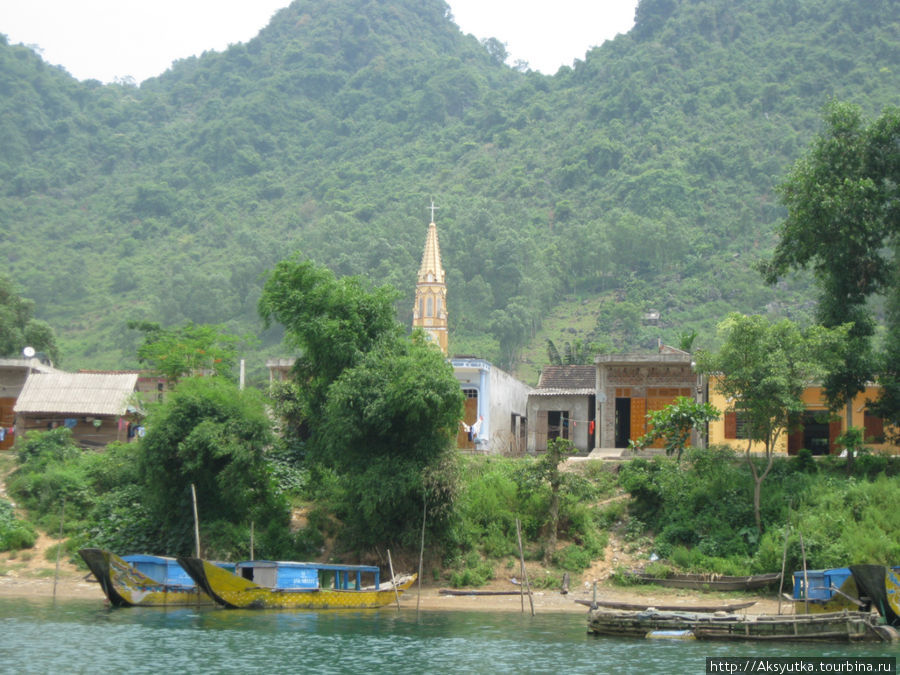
(430,310)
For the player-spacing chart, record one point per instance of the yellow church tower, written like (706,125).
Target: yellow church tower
(430,311)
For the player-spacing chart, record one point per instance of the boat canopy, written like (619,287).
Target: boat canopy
(821,583)
(159,568)
(305,575)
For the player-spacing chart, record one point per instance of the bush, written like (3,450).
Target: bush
(15,534)
(474,572)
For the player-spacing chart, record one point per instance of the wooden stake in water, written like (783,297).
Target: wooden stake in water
(524,571)
(196,520)
(805,579)
(787,531)
(393,581)
(421,555)
(62,519)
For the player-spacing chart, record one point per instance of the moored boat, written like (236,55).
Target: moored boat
(267,584)
(640,607)
(857,587)
(712,582)
(142,580)
(878,586)
(832,627)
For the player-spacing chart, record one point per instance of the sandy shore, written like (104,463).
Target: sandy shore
(72,584)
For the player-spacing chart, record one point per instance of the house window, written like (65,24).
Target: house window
(737,425)
(429,306)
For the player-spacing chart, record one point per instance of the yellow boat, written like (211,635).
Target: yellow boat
(142,580)
(266,584)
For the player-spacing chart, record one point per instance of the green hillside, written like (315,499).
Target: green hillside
(642,178)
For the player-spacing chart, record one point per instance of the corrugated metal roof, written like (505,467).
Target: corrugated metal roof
(77,393)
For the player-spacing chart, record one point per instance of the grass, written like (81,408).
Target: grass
(569,320)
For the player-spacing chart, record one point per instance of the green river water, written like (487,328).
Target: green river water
(84,637)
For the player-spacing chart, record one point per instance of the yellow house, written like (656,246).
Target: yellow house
(816,431)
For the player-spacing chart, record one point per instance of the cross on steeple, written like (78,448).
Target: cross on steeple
(433,208)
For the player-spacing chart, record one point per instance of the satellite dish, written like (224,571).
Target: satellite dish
(28,352)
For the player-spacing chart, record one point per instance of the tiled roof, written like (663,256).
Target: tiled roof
(77,393)
(567,380)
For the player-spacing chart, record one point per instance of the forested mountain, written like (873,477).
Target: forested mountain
(645,174)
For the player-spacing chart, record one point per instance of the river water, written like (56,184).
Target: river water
(79,636)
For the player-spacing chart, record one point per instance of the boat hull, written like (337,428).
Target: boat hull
(834,627)
(235,592)
(125,586)
(712,582)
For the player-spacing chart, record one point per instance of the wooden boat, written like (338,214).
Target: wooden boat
(837,626)
(143,580)
(636,607)
(827,590)
(852,588)
(475,592)
(711,582)
(266,584)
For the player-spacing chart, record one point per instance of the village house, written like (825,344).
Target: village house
(563,405)
(98,408)
(629,386)
(816,430)
(13,373)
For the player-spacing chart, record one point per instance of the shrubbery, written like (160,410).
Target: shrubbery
(15,534)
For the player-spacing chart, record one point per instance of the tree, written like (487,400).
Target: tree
(547,468)
(577,352)
(332,322)
(372,405)
(212,435)
(675,422)
(19,328)
(762,369)
(190,349)
(391,419)
(844,222)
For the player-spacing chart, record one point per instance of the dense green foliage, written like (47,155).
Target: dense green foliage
(762,369)
(496,491)
(212,436)
(136,497)
(374,408)
(843,221)
(187,350)
(14,533)
(19,328)
(702,516)
(645,173)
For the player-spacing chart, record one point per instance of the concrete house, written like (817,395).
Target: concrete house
(563,405)
(496,403)
(631,385)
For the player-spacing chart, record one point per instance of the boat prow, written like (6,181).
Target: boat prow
(125,585)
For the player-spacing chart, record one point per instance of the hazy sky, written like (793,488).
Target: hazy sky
(111,39)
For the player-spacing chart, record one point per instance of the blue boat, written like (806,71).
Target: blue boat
(828,590)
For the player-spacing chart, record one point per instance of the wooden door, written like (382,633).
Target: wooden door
(638,418)
(7,419)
